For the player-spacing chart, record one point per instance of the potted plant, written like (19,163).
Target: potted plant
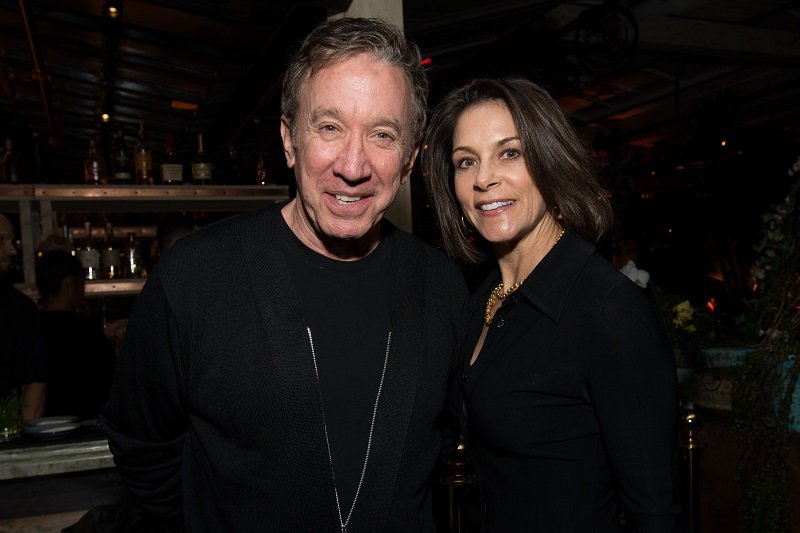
(764,392)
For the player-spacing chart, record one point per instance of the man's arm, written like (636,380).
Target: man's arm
(33,398)
(145,418)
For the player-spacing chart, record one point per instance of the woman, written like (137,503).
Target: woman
(568,395)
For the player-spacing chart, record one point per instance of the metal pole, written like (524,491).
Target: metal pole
(691,424)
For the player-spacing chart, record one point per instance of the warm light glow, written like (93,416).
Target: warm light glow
(427,61)
(113,12)
(723,143)
(711,304)
(106,117)
(183,106)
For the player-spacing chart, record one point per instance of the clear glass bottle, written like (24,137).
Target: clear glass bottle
(88,254)
(131,258)
(201,166)
(94,168)
(69,244)
(171,168)
(121,158)
(110,256)
(143,159)
(10,170)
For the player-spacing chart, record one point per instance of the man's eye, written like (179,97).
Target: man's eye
(384,136)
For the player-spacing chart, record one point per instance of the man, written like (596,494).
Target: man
(285,370)
(80,357)
(23,361)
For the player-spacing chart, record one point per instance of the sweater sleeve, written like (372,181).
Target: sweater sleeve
(634,392)
(145,418)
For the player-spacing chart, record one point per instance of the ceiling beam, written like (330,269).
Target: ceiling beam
(671,33)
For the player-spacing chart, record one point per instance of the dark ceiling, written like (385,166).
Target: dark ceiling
(648,78)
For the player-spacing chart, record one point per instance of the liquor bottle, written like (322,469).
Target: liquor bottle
(131,258)
(228,170)
(121,158)
(94,168)
(201,166)
(171,168)
(10,171)
(110,257)
(143,159)
(262,177)
(69,244)
(88,254)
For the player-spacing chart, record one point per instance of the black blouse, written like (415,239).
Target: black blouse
(570,409)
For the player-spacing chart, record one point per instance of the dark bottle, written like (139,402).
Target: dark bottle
(121,158)
(94,168)
(110,257)
(88,254)
(132,258)
(262,177)
(201,166)
(143,159)
(10,170)
(171,168)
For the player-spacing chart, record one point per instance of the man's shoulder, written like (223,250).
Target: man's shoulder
(11,298)
(212,240)
(408,246)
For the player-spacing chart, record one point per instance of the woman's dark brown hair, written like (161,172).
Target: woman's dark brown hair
(563,168)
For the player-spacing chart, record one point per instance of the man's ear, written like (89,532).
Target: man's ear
(286,137)
(409,165)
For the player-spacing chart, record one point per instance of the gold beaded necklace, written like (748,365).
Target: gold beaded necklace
(499,294)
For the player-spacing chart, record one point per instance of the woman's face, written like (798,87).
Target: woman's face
(496,192)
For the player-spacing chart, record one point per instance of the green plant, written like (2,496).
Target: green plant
(681,321)
(9,416)
(764,389)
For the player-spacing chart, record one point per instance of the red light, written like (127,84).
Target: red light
(427,61)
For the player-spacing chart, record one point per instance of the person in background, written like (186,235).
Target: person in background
(286,369)
(80,357)
(569,395)
(23,361)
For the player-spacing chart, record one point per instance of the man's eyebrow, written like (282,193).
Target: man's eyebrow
(322,112)
(387,122)
(332,112)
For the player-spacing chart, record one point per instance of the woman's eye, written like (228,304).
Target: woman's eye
(511,153)
(465,162)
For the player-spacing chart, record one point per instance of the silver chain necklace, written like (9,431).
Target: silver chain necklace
(343,523)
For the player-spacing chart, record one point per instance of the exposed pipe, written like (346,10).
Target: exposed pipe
(38,70)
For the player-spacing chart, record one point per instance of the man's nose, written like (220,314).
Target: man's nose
(352,162)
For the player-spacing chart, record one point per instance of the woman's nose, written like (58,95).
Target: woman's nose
(486,177)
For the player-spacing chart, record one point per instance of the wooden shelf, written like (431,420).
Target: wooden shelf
(38,206)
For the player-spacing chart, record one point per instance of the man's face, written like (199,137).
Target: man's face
(8,249)
(351,152)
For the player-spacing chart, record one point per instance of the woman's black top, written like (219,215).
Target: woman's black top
(570,409)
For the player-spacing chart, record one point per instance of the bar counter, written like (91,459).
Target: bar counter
(53,476)
(54,458)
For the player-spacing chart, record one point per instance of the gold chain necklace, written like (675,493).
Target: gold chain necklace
(499,294)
